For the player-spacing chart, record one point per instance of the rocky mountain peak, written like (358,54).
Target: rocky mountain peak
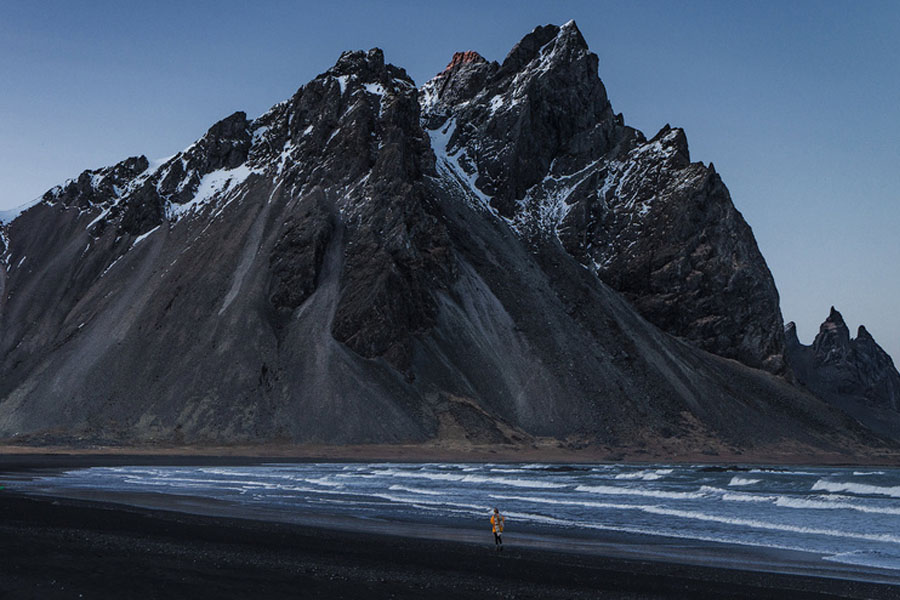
(671,143)
(790,334)
(548,43)
(835,320)
(97,186)
(832,344)
(368,66)
(535,142)
(544,106)
(863,335)
(225,145)
(461,58)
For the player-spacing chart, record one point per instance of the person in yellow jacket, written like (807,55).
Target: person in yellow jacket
(497,521)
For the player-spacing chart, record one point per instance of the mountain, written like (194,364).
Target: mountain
(493,258)
(539,140)
(854,374)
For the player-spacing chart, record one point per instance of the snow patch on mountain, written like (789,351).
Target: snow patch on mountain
(448,163)
(10,215)
(212,185)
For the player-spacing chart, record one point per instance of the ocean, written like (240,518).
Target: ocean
(838,516)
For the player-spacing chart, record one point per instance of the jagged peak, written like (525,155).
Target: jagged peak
(367,67)
(834,319)
(97,185)
(353,61)
(461,58)
(226,127)
(673,137)
(833,337)
(863,334)
(790,333)
(570,31)
(561,43)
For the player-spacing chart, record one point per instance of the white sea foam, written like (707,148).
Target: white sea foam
(611,490)
(525,483)
(782,472)
(477,508)
(562,502)
(781,527)
(323,481)
(649,475)
(856,488)
(736,481)
(702,516)
(403,488)
(809,503)
(742,497)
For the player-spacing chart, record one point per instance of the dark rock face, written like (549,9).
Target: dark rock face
(536,141)
(296,259)
(368,263)
(511,121)
(856,374)
(98,187)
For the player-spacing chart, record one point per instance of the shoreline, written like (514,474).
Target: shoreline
(104,549)
(159,455)
(79,530)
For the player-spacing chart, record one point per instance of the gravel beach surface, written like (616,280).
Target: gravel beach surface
(65,548)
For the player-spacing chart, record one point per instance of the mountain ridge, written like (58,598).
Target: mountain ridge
(366,263)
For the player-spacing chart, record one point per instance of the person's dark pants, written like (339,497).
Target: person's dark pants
(498,541)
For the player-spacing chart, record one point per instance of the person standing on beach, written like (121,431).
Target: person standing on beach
(497,521)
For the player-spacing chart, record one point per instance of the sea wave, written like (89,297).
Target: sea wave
(479,509)
(861,489)
(782,472)
(403,488)
(646,475)
(612,490)
(712,518)
(737,481)
(810,503)
(323,481)
(771,526)
(508,481)
(742,497)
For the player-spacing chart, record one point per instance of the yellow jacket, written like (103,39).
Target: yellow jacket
(497,522)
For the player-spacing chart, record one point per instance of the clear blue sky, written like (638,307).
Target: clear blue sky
(796,103)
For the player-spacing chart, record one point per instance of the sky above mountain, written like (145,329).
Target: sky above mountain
(797,104)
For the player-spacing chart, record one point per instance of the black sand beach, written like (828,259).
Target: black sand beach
(58,548)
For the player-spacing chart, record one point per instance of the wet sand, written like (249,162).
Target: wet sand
(67,548)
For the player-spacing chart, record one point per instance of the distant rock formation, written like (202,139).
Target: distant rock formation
(855,374)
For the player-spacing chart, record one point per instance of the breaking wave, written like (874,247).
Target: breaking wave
(860,489)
